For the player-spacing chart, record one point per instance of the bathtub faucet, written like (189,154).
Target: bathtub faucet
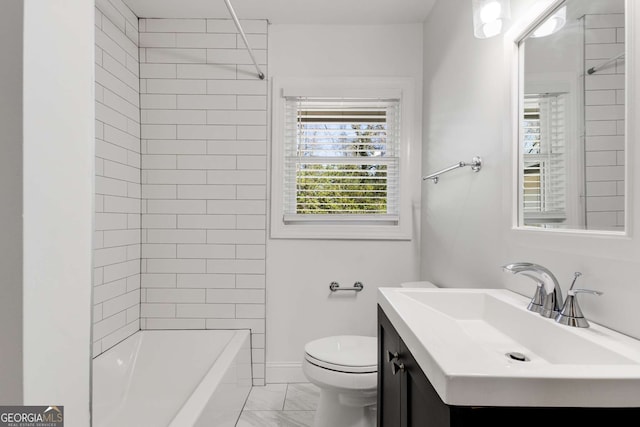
(548,297)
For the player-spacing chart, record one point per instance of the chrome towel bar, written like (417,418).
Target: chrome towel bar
(476,165)
(335,286)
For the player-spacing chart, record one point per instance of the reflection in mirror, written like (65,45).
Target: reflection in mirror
(572,143)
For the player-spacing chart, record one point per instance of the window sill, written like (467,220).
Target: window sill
(339,231)
(332,220)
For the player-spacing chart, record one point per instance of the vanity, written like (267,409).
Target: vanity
(463,357)
(481,357)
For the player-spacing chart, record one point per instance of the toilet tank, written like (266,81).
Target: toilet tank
(420,284)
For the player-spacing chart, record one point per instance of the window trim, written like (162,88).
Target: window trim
(401,88)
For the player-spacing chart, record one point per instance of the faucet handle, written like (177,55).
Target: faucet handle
(573,292)
(571,315)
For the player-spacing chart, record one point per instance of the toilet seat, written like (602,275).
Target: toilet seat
(341,368)
(344,353)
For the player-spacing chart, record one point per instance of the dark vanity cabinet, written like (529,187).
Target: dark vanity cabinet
(406,398)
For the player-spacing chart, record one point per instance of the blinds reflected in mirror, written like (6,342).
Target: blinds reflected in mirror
(544,182)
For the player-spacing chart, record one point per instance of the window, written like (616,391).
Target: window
(340,161)
(544,160)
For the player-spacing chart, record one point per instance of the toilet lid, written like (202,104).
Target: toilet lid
(345,353)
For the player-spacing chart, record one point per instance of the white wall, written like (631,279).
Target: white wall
(466,220)
(116,278)
(461,227)
(11,14)
(58,204)
(299,305)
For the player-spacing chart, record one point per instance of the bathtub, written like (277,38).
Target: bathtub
(178,378)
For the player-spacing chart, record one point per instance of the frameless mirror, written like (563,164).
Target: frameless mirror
(572,111)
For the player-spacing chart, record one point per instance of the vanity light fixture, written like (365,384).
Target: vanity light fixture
(489,17)
(552,25)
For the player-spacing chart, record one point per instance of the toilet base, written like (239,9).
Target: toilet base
(332,412)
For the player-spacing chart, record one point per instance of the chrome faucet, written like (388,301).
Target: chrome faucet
(548,297)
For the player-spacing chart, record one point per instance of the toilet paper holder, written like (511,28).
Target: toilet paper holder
(335,286)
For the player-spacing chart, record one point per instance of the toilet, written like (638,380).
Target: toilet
(421,284)
(345,368)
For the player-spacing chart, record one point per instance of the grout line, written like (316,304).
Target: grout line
(123,32)
(286,393)
(101,65)
(119,12)
(127,70)
(244,404)
(120,163)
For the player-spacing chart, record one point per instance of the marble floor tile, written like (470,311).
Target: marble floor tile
(266,398)
(301,397)
(276,419)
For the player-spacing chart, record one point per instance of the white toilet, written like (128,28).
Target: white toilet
(345,369)
(421,284)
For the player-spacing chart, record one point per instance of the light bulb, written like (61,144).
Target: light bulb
(552,25)
(490,12)
(489,17)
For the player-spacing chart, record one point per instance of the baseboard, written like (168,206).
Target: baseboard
(284,372)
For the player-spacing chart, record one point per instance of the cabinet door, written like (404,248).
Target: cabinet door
(389,396)
(421,405)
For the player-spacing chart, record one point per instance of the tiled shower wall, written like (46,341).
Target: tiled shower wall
(116,290)
(604,122)
(204,117)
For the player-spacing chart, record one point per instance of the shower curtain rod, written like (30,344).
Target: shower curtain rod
(604,64)
(244,38)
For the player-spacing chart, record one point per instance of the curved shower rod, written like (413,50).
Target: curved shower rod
(604,64)
(244,38)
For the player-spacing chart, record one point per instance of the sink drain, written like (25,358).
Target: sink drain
(518,357)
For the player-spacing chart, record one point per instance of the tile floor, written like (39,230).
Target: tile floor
(280,405)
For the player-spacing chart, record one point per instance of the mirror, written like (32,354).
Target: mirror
(572,109)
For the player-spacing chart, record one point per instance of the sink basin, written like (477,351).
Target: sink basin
(482,347)
(494,323)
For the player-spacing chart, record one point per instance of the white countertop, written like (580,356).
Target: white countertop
(459,337)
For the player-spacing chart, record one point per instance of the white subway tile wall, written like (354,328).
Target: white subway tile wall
(116,293)
(204,142)
(604,122)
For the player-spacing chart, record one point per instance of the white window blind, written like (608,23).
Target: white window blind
(544,159)
(342,159)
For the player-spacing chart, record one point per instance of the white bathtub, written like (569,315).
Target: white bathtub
(173,378)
